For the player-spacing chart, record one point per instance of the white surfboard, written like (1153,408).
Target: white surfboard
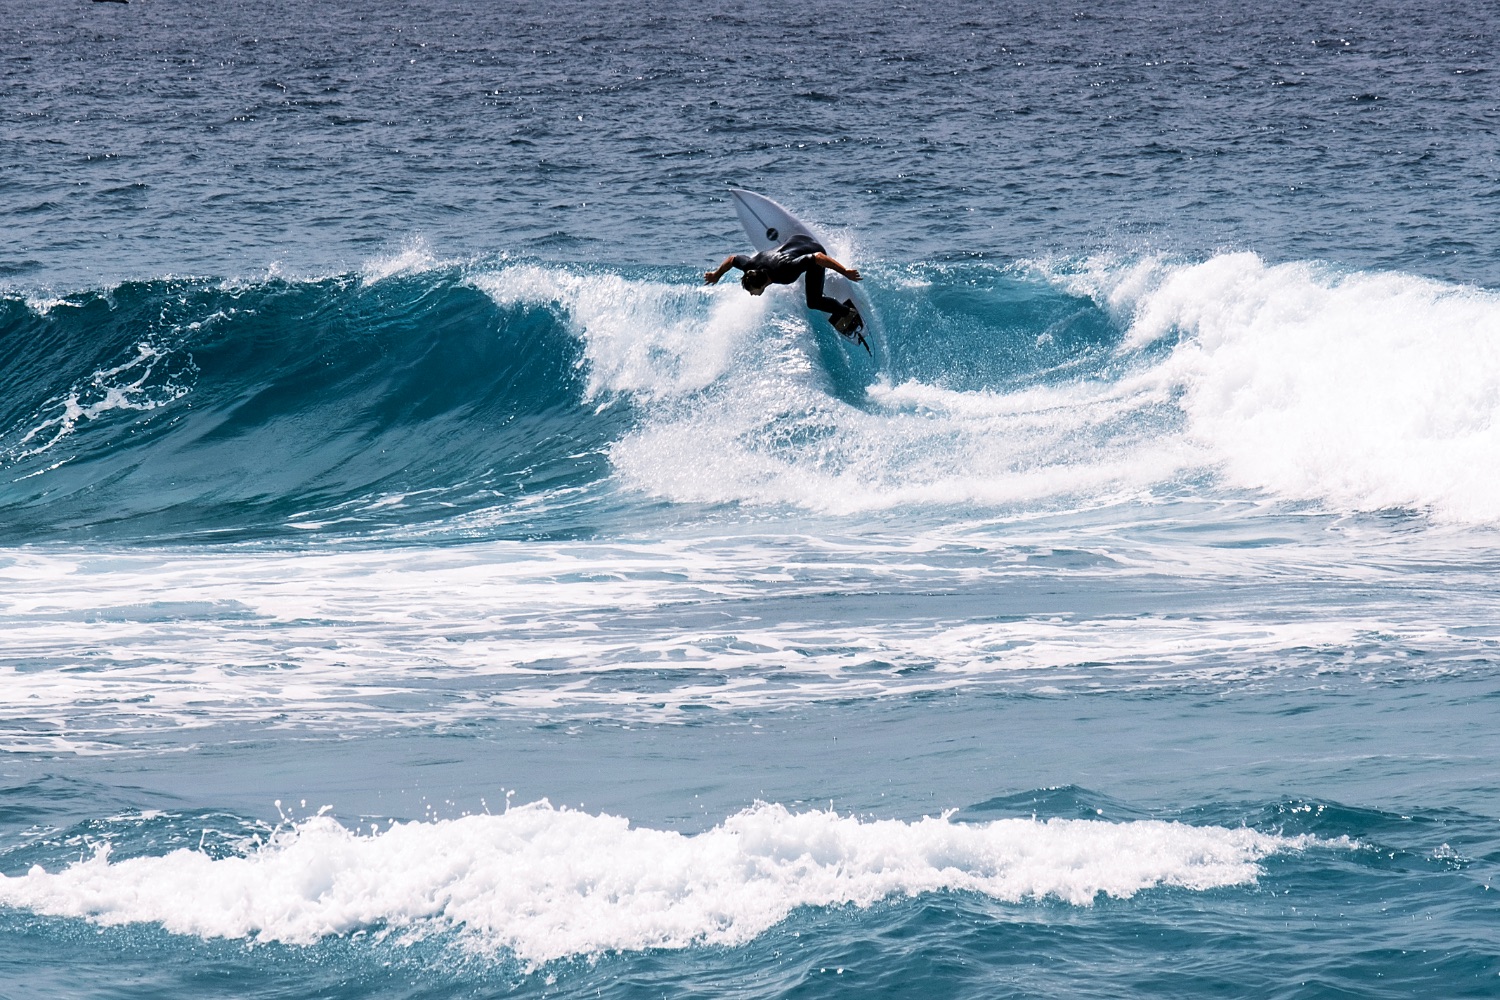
(769,225)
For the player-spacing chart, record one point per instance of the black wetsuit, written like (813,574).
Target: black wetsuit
(788,262)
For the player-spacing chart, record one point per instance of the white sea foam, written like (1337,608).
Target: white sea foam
(1355,391)
(648,339)
(1361,391)
(545,884)
(736,410)
(763,442)
(108,649)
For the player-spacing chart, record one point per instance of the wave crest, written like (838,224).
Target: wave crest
(457,395)
(545,884)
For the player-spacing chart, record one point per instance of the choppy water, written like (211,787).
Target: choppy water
(415,582)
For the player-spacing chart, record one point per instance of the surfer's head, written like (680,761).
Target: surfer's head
(754,280)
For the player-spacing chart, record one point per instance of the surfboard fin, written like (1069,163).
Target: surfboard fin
(847,320)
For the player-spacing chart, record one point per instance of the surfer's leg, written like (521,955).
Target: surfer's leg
(844,317)
(815,297)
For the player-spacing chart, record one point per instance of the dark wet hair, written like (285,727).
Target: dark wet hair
(754,277)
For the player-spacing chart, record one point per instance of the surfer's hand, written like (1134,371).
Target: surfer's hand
(852,274)
(711,277)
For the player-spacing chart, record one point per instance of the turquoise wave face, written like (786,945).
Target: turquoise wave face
(513,399)
(483,398)
(189,408)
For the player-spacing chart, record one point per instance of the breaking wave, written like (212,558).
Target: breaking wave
(518,399)
(542,883)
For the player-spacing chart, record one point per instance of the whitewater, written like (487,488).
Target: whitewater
(415,581)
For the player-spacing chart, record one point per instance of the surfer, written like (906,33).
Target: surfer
(783,265)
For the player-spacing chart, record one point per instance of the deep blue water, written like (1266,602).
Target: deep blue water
(415,582)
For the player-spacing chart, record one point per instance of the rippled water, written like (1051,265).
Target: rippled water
(151,139)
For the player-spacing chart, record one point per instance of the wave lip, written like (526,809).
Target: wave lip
(545,884)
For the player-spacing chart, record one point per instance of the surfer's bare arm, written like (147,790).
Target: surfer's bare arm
(712,277)
(826,261)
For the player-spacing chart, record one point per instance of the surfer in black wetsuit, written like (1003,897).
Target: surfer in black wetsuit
(783,265)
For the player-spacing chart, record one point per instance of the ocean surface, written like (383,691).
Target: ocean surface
(416,583)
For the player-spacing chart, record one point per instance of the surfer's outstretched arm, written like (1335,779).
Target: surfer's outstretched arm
(826,261)
(712,277)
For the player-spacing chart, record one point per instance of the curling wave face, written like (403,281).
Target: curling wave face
(513,399)
(177,408)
